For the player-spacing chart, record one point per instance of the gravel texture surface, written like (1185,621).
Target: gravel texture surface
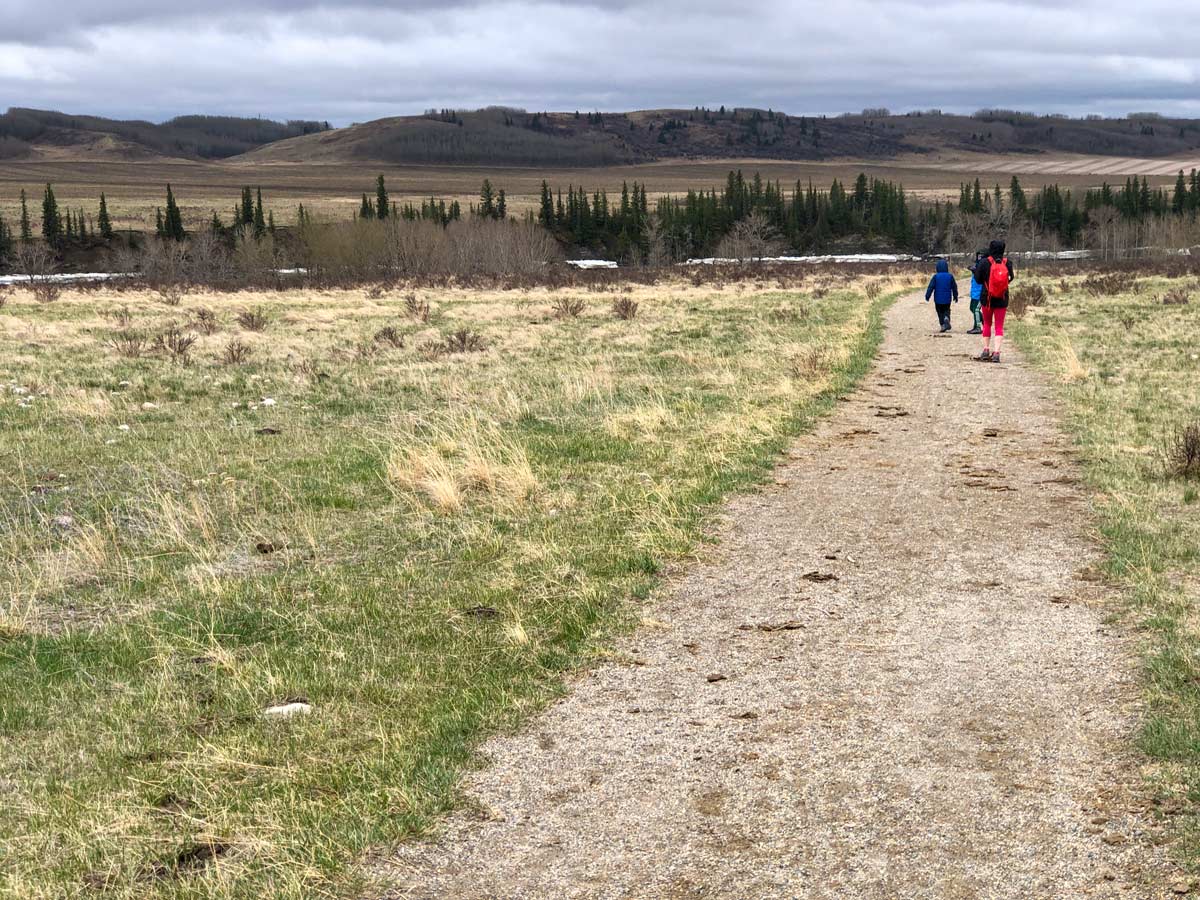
(892,679)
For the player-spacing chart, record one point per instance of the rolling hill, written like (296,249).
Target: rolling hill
(499,136)
(35,133)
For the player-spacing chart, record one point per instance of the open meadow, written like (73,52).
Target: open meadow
(1123,350)
(333,190)
(273,563)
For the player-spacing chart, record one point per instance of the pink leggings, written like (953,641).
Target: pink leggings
(996,315)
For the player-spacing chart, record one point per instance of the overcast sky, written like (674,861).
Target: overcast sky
(353,61)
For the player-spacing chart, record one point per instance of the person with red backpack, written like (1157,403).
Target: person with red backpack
(995,273)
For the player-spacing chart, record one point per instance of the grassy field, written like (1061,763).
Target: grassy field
(135,189)
(411,511)
(1129,365)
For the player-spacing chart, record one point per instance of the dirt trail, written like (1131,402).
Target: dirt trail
(892,679)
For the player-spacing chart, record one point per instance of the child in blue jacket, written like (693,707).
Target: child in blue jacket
(943,289)
(976,297)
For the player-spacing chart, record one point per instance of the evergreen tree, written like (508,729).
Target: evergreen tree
(271,222)
(1016,196)
(52,225)
(6,241)
(69,227)
(260,223)
(1179,201)
(246,217)
(546,211)
(367,211)
(158,222)
(173,222)
(501,206)
(105,223)
(216,226)
(487,200)
(27,231)
(381,199)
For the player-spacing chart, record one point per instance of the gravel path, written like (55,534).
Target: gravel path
(892,679)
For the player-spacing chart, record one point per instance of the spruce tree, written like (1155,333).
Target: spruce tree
(68,227)
(26,230)
(105,223)
(158,221)
(366,211)
(381,199)
(52,225)
(173,222)
(215,226)
(502,206)
(6,241)
(487,201)
(1180,199)
(546,212)
(271,222)
(260,223)
(246,217)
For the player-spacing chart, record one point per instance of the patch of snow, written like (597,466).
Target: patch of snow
(592,263)
(268,401)
(287,710)
(831,258)
(122,428)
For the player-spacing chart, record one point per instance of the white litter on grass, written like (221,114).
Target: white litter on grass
(287,710)
(122,428)
(149,405)
(267,401)
(124,383)
(592,263)
(18,390)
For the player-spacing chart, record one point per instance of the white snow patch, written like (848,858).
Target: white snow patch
(287,710)
(592,263)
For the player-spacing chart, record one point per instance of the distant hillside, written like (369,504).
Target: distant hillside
(30,132)
(500,136)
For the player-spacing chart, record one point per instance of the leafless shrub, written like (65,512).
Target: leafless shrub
(236,353)
(375,292)
(5,292)
(1127,321)
(1110,284)
(254,258)
(390,335)
(625,308)
(751,238)
(205,320)
(253,319)
(1020,299)
(567,307)
(1183,452)
(121,317)
(36,261)
(417,308)
(809,363)
(176,342)
(874,290)
(464,340)
(431,350)
(170,294)
(1064,286)
(1176,297)
(129,344)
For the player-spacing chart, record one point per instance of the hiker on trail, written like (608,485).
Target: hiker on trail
(992,273)
(944,289)
(976,296)
(995,273)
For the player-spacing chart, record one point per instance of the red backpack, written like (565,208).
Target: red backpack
(997,285)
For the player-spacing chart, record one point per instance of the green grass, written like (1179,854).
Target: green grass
(447,536)
(1130,370)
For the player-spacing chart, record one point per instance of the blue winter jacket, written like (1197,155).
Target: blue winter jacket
(976,288)
(942,286)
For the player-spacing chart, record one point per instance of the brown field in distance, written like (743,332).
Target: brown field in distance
(135,188)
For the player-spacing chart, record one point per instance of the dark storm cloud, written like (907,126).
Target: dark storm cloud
(357,60)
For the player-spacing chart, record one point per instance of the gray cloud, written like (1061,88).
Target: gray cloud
(357,60)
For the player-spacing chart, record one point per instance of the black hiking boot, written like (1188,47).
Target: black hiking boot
(995,357)
(985,356)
